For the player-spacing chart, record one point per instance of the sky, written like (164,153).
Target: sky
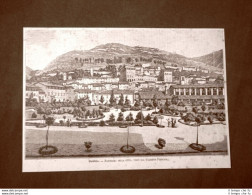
(42,45)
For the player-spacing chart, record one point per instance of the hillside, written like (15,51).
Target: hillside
(111,53)
(213,59)
(28,72)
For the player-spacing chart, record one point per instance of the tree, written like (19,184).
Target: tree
(87,113)
(102,123)
(102,99)
(49,122)
(83,108)
(64,117)
(221,116)
(93,113)
(195,110)
(148,117)
(181,104)
(174,100)
(167,103)
(210,119)
(44,117)
(137,103)
(121,100)
(48,112)
(154,102)
(34,115)
(127,101)
(112,98)
(61,122)
(139,116)
(112,118)
(129,117)
(198,121)
(161,110)
(40,110)
(189,117)
(203,108)
(155,120)
(120,117)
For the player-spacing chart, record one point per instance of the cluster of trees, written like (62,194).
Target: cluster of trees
(84,113)
(44,110)
(89,60)
(143,59)
(112,101)
(190,117)
(110,68)
(159,62)
(31,101)
(139,117)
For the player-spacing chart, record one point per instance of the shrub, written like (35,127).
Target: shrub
(210,119)
(135,108)
(181,104)
(60,112)
(148,117)
(112,118)
(34,115)
(201,118)
(123,110)
(221,117)
(120,117)
(155,120)
(129,117)
(189,117)
(203,108)
(102,123)
(83,108)
(161,111)
(61,122)
(220,106)
(40,110)
(101,107)
(195,110)
(48,112)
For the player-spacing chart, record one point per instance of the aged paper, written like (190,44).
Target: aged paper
(124,98)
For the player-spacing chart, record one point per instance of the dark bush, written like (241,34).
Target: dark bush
(123,110)
(34,115)
(221,117)
(189,117)
(210,119)
(102,123)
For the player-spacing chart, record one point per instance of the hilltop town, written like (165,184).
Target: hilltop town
(134,76)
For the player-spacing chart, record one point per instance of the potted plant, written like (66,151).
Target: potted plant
(88,145)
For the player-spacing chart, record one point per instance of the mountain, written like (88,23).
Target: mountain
(103,54)
(213,59)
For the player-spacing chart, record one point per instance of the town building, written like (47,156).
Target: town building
(202,93)
(168,76)
(130,73)
(91,80)
(185,80)
(123,85)
(56,92)
(34,92)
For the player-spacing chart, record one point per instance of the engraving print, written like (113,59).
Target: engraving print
(124,98)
